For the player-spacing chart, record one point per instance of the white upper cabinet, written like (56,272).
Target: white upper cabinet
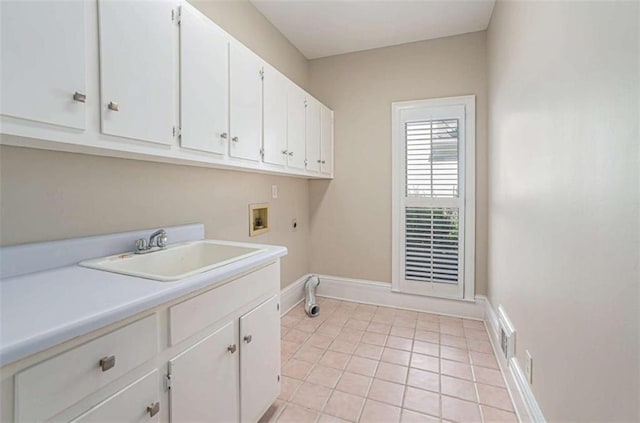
(326,141)
(204,83)
(138,69)
(296,115)
(245,103)
(42,67)
(275,117)
(313,134)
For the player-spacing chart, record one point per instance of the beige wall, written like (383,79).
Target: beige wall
(351,216)
(564,197)
(47,195)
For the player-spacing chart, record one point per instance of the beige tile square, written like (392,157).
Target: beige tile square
(283,331)
(319,340)
(453,368)
(308,325)
(297,369)
(335,359)
(403,332)
(426,348)
(362,315)
(494,397)
(409,416)
(325,376)
(391,372)
(288,387)
(329,329)
(309,353)
(362,366)
(296,414)
(350,335)
(407,322)
(325,418)
(343,405)
(480,346)
(493,415)
(426,336)
(458,388)
(473,324)
(356,324)
(476,334)
(343,346)
(376,327)
(454,354)
(337,319)
(483,360)
(424,380)
(399,343)
(396,356)
(488,376)
(375,412)
(422,401)
(453,341)
(310,395)
(355,384)
(428,317)
(296,336)
(429,326)
(374,338)
(451,329)
(425,362)
(289,321)
(460,411)
(387,392)
(368,351)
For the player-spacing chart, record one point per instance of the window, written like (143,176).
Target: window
(434,197)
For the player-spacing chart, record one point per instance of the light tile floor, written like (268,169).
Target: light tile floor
(363,363)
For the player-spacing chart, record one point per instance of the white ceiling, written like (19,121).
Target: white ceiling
(320,28)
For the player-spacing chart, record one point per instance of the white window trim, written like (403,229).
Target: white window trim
(398,180)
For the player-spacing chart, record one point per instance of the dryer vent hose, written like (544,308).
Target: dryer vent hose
(310,306)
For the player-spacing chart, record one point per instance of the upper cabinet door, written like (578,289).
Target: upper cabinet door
(259,359)
(42,69)
(245,103)
(296,115)
(313,135)
(137,69)
(275,117)
(326,141)
(204,83)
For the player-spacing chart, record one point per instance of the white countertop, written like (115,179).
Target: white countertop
(40,310)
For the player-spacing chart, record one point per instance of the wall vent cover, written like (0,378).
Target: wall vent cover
(507,334)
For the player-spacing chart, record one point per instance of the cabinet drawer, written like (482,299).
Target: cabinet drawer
(195,314)
(138,402)
(47,388)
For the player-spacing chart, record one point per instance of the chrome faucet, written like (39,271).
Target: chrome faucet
(157,241)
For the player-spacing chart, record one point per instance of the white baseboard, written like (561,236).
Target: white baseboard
(522,396)
(292,295)
(379,293)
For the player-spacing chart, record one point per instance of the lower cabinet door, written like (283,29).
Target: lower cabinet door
(204,380)
(138,402)
(259,359)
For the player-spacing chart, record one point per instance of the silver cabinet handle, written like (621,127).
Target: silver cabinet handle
(290,153)
(79,97)
(232,348)
(153,408)
(113,106)
(235,139)
(224,135)
(247,339)
(107,363)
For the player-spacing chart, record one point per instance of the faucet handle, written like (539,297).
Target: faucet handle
(141,244)
(161,241)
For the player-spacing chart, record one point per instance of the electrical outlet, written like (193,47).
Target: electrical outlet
(528,366)
(294,225)
(274,191)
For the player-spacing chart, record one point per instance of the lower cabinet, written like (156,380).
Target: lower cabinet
(138,402)
(204,379)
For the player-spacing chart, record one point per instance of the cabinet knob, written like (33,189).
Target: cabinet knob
(323,162)
(247,339)
(153,408)
(224,135)
(113,106)
(79,97)
(232,348)
(235,139)
(107,363)
(319,161)
(290,153)
(285,152)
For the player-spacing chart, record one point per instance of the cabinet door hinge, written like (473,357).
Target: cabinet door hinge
(278,378)
(177,131)
(167,382)
(262,152)
(305,103)
(278,307)
(176,15)
(305,163)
